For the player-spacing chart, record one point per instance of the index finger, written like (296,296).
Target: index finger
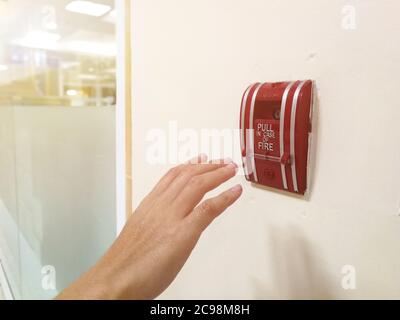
(199,185)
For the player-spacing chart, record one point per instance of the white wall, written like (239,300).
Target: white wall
(192,62)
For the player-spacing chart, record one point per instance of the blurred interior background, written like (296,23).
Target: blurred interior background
(53,55)
(57,141)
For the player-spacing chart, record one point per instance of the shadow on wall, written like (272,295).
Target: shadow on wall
(297,271)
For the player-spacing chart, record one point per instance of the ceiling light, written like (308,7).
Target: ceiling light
(90,47)
(44,36)
(72,93)
(3,67)
(88,7)
(111,17)
(39,39)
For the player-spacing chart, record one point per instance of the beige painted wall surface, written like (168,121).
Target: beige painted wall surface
(192,61)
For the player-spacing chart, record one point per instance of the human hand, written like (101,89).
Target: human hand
(159,237)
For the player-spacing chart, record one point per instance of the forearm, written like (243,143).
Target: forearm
(93,285)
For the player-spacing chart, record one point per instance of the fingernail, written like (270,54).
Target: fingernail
(237,188)
(233,166)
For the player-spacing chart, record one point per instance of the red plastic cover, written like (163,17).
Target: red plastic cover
(275,123)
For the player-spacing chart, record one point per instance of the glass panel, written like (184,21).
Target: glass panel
(9,249)
(57,143)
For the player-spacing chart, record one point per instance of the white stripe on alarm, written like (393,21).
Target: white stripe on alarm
(243,133)
(292,134)
(251,144)
(282,131)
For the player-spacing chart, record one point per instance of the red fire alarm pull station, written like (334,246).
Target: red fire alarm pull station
(275,131)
